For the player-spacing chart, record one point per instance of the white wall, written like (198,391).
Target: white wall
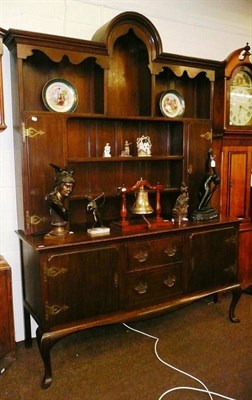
(209,29)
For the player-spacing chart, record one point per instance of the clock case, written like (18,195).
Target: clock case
(235,143)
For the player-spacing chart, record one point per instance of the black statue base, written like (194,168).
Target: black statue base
(204,215)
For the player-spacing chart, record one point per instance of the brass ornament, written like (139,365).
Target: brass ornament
(141,288)
(142,205)
(170,281)
(207,136)
(53,272)
(34,219)
(54,310)
(30,132)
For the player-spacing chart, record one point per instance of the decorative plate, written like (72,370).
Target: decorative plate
(60,95)
(172,104)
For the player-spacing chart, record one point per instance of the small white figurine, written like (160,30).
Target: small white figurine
(106,151)
(144,146)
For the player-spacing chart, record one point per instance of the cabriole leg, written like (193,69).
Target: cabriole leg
(45,344)
(236,294)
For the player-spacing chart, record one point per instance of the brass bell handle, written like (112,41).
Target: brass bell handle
(141,288)
(170,281)
(142,256)
(171,251)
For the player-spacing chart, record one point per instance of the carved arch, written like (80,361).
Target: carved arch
(121,24)
(240,57)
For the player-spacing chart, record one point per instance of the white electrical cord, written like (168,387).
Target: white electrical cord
(205,390)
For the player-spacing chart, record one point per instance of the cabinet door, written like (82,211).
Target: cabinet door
(235,186)
(212,258)
(42,144)
(81,284)
(199,144)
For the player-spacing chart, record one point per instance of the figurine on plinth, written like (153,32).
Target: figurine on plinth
(107,150)
(126,151)
(64,183)
(180,210)
(144,146)
(98,229)
(208,186)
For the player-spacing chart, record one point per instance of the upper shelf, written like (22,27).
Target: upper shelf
(134,92)
(104,73)
(124,159)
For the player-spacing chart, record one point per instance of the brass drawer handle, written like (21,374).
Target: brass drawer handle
(170,281)
(171,251)
(141,288)
(142,256)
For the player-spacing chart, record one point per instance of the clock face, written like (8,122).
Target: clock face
(241,100)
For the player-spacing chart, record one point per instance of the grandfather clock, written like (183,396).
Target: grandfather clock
(236,194)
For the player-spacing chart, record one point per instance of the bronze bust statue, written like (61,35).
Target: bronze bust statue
(64,183)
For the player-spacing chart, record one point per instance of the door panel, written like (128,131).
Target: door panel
(199,144)
(81,284)
(235,181)
(212,258)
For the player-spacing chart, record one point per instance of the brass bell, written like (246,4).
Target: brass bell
(142,205)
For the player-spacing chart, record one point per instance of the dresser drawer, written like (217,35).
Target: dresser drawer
(150,286)
(149,253)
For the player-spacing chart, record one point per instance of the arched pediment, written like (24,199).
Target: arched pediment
(239,57)
(122,24)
